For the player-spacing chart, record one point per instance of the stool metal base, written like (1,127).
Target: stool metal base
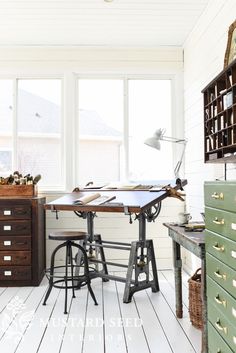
(76,280)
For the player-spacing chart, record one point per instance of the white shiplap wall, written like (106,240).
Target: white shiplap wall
(204,53)
(67,62)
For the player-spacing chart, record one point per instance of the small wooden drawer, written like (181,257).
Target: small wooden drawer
(220,195)
(15,243)
(222,326)
(15,273)
(15,258)
(215,342)
(222,300)
(15,211)
(222,274)
(222,248)
(15,227)
(221,222)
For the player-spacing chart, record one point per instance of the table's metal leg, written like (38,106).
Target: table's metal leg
(178,279)
(100,252)
(204,307)
(141,256)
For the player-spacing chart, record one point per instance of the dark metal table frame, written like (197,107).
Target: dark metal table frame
(195,243)
(145,206)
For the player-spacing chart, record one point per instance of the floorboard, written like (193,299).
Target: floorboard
(146,325)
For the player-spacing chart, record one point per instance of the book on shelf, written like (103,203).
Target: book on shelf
(94,199)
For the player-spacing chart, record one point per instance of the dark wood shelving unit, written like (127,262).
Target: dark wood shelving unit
(220,117)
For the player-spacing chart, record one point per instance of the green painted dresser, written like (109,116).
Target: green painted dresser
(220,213)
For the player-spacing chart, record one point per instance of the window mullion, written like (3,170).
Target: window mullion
(126,130)
(14,132)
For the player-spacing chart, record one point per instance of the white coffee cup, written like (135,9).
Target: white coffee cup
(184,217)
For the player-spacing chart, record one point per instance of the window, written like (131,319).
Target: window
(115,117)
(149,103)
(6,127)
(101,119)
(32,142)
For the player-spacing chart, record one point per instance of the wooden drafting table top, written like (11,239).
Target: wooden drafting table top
(135,201)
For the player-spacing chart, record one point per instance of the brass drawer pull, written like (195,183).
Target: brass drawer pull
(217,274)
(220,327)
(234,312)
(219,301)
(218,248)
(219,222)
(217,196)
(233,254)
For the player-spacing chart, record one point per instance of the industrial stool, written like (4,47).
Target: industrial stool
(76,281)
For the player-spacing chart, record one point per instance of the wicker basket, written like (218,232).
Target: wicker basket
(195,299)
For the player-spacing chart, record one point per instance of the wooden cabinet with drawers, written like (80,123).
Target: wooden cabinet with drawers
(22,241)
(220,214)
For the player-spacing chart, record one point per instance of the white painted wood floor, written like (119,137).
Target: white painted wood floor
(146,325)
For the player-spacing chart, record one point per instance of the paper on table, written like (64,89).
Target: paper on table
(121,186)
(93,199)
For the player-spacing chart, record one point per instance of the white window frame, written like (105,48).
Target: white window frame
(15,78)
(69,116)
(177,123)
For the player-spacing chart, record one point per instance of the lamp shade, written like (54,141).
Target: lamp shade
(154,141)
(158,136)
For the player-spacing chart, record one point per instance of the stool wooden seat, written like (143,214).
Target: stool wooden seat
(70,235)
(60,280)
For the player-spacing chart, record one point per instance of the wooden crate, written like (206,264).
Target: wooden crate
(18,190)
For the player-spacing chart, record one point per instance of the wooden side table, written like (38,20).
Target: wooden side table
(195,243)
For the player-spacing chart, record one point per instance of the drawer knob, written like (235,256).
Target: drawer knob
(219,275)
(219,222)
(218,248)
(217,196)
(220,301)
(220,327)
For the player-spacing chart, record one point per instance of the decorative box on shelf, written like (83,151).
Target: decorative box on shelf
(18,190)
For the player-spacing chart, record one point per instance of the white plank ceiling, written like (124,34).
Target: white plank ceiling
(148,23)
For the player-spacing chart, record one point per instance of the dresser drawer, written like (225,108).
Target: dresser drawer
(15,242)
(15,258)
(15,227)
(222,248)
(222,326)
(9,211)
(221,222)
(220,195)
(222,274)
(15,273)
(222,300)
(215,342)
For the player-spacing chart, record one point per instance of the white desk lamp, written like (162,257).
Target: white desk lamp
(158,136)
